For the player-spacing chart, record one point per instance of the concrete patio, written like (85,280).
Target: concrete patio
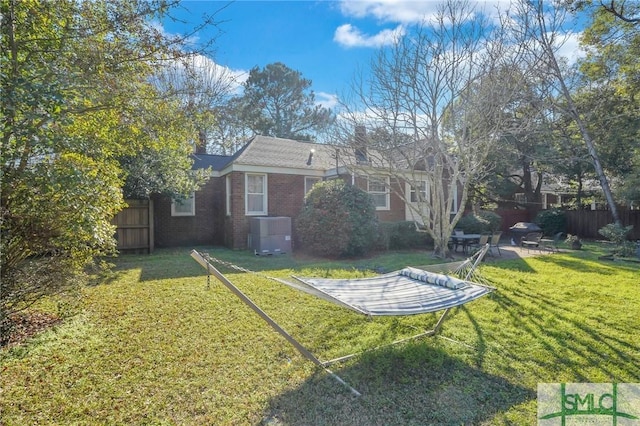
(508,252)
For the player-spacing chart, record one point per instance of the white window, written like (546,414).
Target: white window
(309,182)
(419,192)
(228,194)
(255,194)
(454,206)
(186,207)
(418,201)
(378,189)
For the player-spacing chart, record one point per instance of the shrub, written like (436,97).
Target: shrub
(551,221)
(615,233)
(618,235)
(481,223)
(382,239)
(493,219)
(470,224)
(402,235)
(337,220)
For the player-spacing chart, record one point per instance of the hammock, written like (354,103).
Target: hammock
(403,292)
(406,292)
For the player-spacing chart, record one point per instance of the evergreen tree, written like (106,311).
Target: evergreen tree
(277,101)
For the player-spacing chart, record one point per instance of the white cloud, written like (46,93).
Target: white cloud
(191,41)
(205,68)
(326,100)
(570,48)
(402,12)
(212,70)
(350,36)
(406,12)
(201,72)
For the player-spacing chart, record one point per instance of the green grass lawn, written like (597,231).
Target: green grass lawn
(153,345)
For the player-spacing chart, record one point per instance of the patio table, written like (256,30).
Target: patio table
(467,239)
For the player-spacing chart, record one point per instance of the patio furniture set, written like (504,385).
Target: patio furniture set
(528,236)
(470,242)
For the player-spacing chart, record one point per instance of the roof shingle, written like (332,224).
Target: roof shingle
(286,153)
(216,162)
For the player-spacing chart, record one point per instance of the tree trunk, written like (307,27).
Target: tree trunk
(573,111)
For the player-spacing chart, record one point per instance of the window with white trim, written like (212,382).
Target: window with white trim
(419,192)
(228,194)
(186,207)
(309,181)
(454,207)
(255,194)
(377,187)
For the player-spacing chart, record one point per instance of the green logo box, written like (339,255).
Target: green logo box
(569,404)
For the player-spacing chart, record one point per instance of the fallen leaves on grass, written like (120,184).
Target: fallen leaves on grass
(27,324)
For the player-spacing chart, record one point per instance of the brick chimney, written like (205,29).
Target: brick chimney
(201,145)
(360,144)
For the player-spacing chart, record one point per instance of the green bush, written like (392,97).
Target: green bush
(337,220)
(618,235)
(551,221)
(493,219)
(615,233)
(484,222)
(402,235)
(382,239)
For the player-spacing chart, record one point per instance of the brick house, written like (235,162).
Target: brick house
(268,177)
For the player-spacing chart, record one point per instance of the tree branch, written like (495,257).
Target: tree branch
(619,11)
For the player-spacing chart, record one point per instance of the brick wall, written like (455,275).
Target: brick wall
(397,212)
(285,198)
(236,225)
(201,229)
(212,226)
(286,195)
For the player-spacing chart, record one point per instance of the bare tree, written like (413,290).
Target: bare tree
(229,131)
(437,95)
(538,27)
(204,88)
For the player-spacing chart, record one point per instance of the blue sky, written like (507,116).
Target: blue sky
(327,41)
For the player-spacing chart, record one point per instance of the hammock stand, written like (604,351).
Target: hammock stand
(204,260)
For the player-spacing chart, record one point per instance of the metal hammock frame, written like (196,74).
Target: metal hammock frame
(465,269)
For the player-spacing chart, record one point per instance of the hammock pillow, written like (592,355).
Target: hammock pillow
(433,278)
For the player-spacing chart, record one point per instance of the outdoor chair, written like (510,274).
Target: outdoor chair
(552,244)
(457,241)
(495,242)
(484,239)
(531,240)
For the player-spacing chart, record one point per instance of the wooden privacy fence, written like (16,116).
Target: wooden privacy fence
(586,223)
(134,227)
(511,217)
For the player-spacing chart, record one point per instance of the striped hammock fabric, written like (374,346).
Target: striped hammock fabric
(404,292)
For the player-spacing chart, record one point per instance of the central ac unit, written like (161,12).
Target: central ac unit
(270,235)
